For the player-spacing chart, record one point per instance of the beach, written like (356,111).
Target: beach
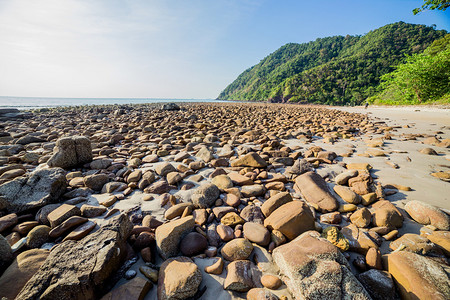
(218,200)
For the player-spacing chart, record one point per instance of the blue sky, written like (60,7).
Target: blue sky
(167,48)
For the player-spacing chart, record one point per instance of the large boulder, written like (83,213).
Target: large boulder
(315,190)
(386,215)
(179,278)
(417,276)
(169,235)
(427,214)
(20,271)
(291,219)
(70,152)
(5,253)
(34,191)
(316,269)
(81,269)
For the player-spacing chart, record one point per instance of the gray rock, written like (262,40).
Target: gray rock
(34,191)
(205,195)
(5,253)
(70,152)
(379,284)
(170,106)
(28,139)
(81,269)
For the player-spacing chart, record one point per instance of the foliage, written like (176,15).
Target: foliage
(432,5)
(422,78)
(334,70)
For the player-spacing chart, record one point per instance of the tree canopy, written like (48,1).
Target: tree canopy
(432,5)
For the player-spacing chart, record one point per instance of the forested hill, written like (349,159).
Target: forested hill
(334,70)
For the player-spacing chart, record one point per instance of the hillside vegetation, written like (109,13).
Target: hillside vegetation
(334,70)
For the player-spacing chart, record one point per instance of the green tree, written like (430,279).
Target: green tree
(432,5)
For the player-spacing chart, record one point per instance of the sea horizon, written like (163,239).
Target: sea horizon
(25,103)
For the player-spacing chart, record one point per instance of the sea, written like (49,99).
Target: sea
(25,103)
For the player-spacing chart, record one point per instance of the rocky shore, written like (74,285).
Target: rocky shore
(221,201)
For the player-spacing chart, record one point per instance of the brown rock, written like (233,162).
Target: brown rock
(20,271)
(38,236)
(257,233)
(66,225)
(251,159)
(91,211)
(81,231)
(231,219)
(386,215)
(237,249)
(331,218)
(442,240)
(274,202)
(315,190)
(413,243)
(8,221)
(252,213)
(222,182)
(347,194)
(417,276)
(373,259)
(291,219)
(260,293)
(177,210)
(135,289)
(62,213)
(239,179)
(271,282)
(239,276)
(315,269)
(169,235)
(427,214)
(361,217)
(226,233)
(193,243)
(25,227)
(179,278)
(216,268)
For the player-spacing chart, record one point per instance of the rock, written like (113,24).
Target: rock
(205,195)
(179,278)
(251,159)
(66,225)
(331,218)
(257,233)
(252,213)
(38,236)
(315,191)
(135,289)
(239,179)
(334,236)
(441,239)
(95,182)
(231,219)
(427,214)
(205,155)
(291,219)
(43,213)
(413,243)
(81,270)
(62,213)
(150,273)
(200,216)
(347,194)
(216,268)
(20,271)
(25,227)
(159,187)
(274,202)
(5,253)
(271,282)
(100,164)
(237,249)
(222,182)
(193,243)
(81,231)
(173,178)
(170,107)
(316,269)
(361,218)
(91,211)
(359,241)
(40,188)
(70,152)
(253,190)
(300,166)
(342,179)
(379,284)
(7,222)
(164,168)
(428,151)
(386,215)
(417,276)
(28,139)
(232,200)
(169,235)
(226,233)
(177,210)
(260,293)
(239,276)
(373,259)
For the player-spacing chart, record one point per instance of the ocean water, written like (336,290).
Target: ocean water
(23,103)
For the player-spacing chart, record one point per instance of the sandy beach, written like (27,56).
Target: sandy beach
(246,184)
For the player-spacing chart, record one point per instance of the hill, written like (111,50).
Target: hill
(333,70)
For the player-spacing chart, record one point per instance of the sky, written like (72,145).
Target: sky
(168,48)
